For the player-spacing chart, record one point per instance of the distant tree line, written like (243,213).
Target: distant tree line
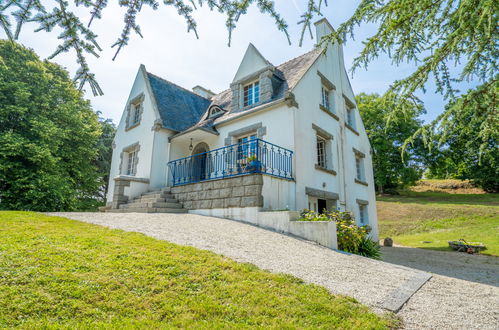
(405,150)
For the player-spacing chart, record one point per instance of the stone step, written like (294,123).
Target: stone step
(152,204)
(157,195)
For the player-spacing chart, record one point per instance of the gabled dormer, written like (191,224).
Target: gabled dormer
(255,81)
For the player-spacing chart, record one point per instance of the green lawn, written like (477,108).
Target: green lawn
(59,273)
(416,218)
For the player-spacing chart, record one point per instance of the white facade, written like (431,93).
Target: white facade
(293,120)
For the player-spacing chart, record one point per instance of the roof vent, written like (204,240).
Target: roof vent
(203,92)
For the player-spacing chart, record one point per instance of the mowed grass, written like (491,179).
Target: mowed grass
(417,218)
(60,273)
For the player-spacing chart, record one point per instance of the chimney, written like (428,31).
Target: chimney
(322,28)
(203,92)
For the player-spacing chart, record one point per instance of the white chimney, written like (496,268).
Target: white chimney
(201,91)
(322,28)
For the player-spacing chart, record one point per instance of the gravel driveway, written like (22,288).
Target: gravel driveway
(442,302)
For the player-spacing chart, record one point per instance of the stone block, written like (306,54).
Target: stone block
(252,179)
(203,194)
(235,182)
(177,190)
(206,204)
(225,192)
(238,191)
(187,205)
(232,202)
(218,184)
(253,190)
(192,196)
(207,185)
(197,187)
(218,203)
(212,194)
(250,201)
(196,205)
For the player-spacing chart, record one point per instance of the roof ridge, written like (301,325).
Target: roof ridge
(294,58)
(172,83)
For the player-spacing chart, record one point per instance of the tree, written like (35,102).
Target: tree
(461,151)
(48,135)
(435,34)
(105,153)
(394,166)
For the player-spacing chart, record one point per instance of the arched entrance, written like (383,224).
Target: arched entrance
(200,164)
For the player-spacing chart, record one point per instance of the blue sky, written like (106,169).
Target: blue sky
(169,51)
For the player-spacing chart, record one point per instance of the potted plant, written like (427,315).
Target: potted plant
(253,164)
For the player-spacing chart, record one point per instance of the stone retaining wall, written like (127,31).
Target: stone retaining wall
(242,191)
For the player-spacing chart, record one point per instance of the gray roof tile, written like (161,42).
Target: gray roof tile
(181,109)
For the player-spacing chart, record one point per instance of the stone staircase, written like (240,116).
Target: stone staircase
(161,201)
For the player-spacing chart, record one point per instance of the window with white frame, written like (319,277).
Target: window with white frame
(215,111)
(321,152)
(135,109)
(246,146)
(251,93)
(136,112)
(131,165)
(363,216)
(359,167)
(351,116)
(326,97)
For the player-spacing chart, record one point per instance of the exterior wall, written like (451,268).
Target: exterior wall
(149,141)
(235,192)
(342,180)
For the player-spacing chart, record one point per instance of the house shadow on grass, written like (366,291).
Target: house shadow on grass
(475,268)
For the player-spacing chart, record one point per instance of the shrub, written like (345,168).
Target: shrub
(369,248)
(351,238)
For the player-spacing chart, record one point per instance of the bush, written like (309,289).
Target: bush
(369,248)
(351,238)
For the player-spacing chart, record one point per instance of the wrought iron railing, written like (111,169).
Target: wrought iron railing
(252,156)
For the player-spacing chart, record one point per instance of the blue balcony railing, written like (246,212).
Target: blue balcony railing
(252,156)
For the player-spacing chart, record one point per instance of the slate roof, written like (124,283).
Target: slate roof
(179,108)
(183,110)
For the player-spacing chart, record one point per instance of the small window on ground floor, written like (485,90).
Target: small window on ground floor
(363,216)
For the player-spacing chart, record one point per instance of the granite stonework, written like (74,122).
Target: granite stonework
(241,191)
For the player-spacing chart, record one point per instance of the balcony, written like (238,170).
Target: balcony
(253,156)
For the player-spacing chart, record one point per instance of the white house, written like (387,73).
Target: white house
(281,137)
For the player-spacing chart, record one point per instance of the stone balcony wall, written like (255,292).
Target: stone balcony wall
(241,191)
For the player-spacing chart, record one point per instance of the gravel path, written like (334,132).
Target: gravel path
(441,303)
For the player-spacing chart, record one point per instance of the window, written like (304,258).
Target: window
(136,111)
(325,97)
(351,117)
(215,111)
(246,147)
(321,152)
(363,219)
(131,166)
(359,167)
(251,93)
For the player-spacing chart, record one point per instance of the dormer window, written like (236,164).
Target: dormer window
(252,93)
(215,111)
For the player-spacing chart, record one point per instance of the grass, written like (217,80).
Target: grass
(60,273)
(416,218)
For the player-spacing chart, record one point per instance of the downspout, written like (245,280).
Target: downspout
(341,70)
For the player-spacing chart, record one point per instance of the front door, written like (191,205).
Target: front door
(200,165)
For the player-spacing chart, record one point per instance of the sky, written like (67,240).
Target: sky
(168,51)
